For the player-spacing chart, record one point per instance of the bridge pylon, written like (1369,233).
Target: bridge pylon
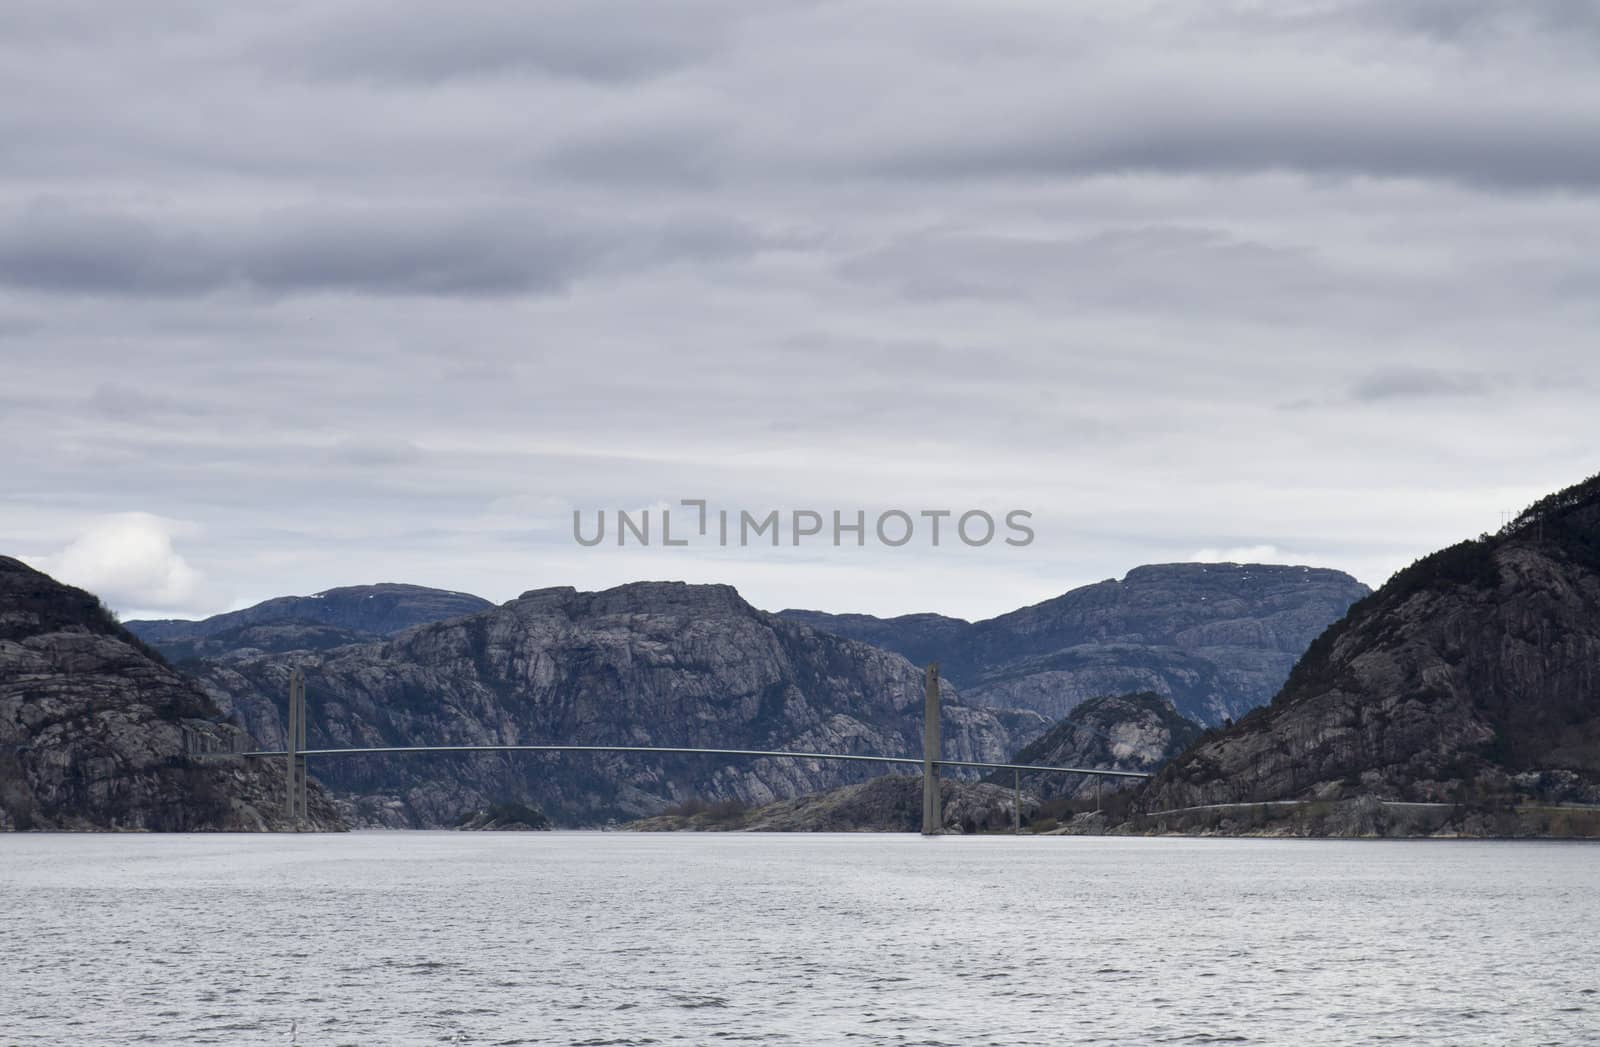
(932,816)
(294,800)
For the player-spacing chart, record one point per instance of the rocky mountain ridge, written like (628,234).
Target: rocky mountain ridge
(1470,679)
(92,728)
(331,618)
(652,663)
(1127,732)
(1215,639)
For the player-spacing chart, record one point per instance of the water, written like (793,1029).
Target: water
(575,938)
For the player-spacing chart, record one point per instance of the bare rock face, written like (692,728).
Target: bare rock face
(1129,732)
(92,725)
(888,804)
(278,637)
(1215,639)
(506,817)
(654,663)
(350,614)
(1472,677)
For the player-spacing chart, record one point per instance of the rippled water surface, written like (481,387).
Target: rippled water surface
(592,938)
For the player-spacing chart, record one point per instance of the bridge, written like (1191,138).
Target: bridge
(296,753)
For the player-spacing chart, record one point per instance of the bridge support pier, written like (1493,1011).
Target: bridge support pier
(932,816)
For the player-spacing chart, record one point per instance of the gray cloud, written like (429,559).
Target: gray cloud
(1527,144)
(685,156)
(375,454)
(125,402)
(347,291)
(49,246)
(1147,268)
(609,41)
(1469,21)
(1403,383)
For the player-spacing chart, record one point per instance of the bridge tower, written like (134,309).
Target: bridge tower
(294,802)
(932,817)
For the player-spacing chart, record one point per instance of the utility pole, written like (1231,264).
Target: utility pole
(932,820)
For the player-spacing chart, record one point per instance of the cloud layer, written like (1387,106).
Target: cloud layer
(362,292)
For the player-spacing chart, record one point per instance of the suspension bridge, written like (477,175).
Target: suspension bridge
(296,753)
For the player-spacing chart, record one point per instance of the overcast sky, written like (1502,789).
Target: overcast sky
(297,295)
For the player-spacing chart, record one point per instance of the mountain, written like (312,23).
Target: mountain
(1127,732)
(261,638)
(1469,678)
(1216,639)
(92,725)
(653,663)
(1131,732)
(921,638)
(351,614)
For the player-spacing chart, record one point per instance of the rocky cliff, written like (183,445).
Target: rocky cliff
(1215,639)
(1469,678)
(92,725)
(889,804)
(506,817)
(644,664)
(332,618)
(1129,732)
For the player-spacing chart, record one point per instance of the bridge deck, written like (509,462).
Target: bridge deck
(684,750)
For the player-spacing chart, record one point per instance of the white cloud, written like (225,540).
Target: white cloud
(127,559)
